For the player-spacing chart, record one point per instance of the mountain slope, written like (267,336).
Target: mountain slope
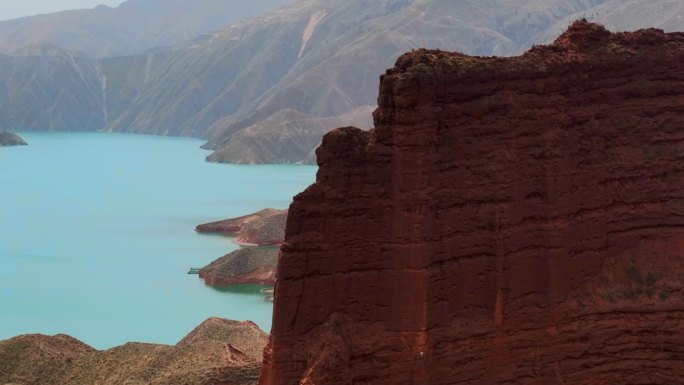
(219,351)
(51,88)
(352,42)
(320,58)
(247,88)
(134,26)
(286,136)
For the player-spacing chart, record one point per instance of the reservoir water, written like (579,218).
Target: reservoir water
(97,235)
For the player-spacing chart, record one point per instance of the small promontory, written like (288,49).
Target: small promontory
(10,139)
(244,266)
(263,228)
(508,221)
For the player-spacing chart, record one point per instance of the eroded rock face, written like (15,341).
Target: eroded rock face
(263,228)
(508,221)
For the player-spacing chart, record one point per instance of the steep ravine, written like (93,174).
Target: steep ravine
(507,221)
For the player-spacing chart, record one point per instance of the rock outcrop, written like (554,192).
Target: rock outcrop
(10,139)
(507,221)
(263,228)
(243,266)
(217,352)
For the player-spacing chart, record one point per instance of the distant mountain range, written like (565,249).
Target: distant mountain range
(264,90)
(133,27)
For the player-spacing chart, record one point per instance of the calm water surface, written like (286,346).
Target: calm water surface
(97,234)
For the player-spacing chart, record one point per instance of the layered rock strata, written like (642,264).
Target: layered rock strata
(218,352)
(10,139)
(507,221)
(244,266)
(263,228)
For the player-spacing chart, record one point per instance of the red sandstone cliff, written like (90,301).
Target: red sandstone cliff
(508,221)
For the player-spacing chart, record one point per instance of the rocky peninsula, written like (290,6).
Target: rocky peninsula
(507,221)
(249,264)
(10,139)
(243,266)
(263,228)
(217,352)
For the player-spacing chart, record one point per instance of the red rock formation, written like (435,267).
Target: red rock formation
(263,228)
(508,221)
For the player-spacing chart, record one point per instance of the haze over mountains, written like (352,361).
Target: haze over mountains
(264,89)
(132,27)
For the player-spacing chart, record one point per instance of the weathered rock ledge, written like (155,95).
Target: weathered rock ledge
(263,228)
(507,221)
(10,139)
(217,352)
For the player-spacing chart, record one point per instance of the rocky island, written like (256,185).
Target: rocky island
(217,352)
(10,139)
(507,221)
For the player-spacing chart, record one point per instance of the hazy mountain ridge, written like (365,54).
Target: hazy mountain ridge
(342,46)
(192,86)
(319,58)
(134,26)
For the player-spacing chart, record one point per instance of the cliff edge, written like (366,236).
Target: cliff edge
(507,221)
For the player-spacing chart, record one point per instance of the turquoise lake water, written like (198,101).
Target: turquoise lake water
(97,235)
